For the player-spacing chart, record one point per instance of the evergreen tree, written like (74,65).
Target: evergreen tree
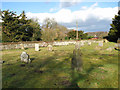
(36,36)
(81,34)
(19,28)
(114,32)
(9,25)
(25,31)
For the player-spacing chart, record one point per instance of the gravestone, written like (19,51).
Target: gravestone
(22,46)
(50,48)
(105,40)
(118,41)
(36,47)
(77,45)
(1,47)
(76,62)
(1,62)
(44,44)
(82,43)
(116,46)
(110,48)
(89,43)
(101,44)
(25,57)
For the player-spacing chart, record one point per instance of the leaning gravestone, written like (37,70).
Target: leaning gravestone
(25,57)
(50,48)
(36,47)
(22,46)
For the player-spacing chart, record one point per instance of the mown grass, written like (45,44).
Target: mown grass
(53,69)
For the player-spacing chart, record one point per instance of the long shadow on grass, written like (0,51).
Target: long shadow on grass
(53,68)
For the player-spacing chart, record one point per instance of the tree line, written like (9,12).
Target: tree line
(17,28)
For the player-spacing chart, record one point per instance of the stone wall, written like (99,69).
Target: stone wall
(18,45)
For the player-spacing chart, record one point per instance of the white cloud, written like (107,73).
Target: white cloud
(84,7)
(94,5)
(68,3)
(86,17)
(53,9)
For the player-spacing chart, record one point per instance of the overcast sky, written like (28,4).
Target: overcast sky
(91,16)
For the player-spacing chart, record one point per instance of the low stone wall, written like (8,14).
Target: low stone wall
(18,45)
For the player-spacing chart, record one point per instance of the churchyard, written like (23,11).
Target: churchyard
(51,67)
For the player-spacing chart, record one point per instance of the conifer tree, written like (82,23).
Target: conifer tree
(114,32)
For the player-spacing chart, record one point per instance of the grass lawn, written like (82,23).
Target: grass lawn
(53,69)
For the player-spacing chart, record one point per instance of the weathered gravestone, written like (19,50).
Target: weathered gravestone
(116,45)
(37,47)
(118,41)
(22,46)
(82,43)
(50,48)
(44,44)
(101,44)
(89,43)
(77,45)
(105,41)
(76,63)
(110,48)
(1,62)
(25,57)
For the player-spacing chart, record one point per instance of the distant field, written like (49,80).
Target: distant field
(53,69)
